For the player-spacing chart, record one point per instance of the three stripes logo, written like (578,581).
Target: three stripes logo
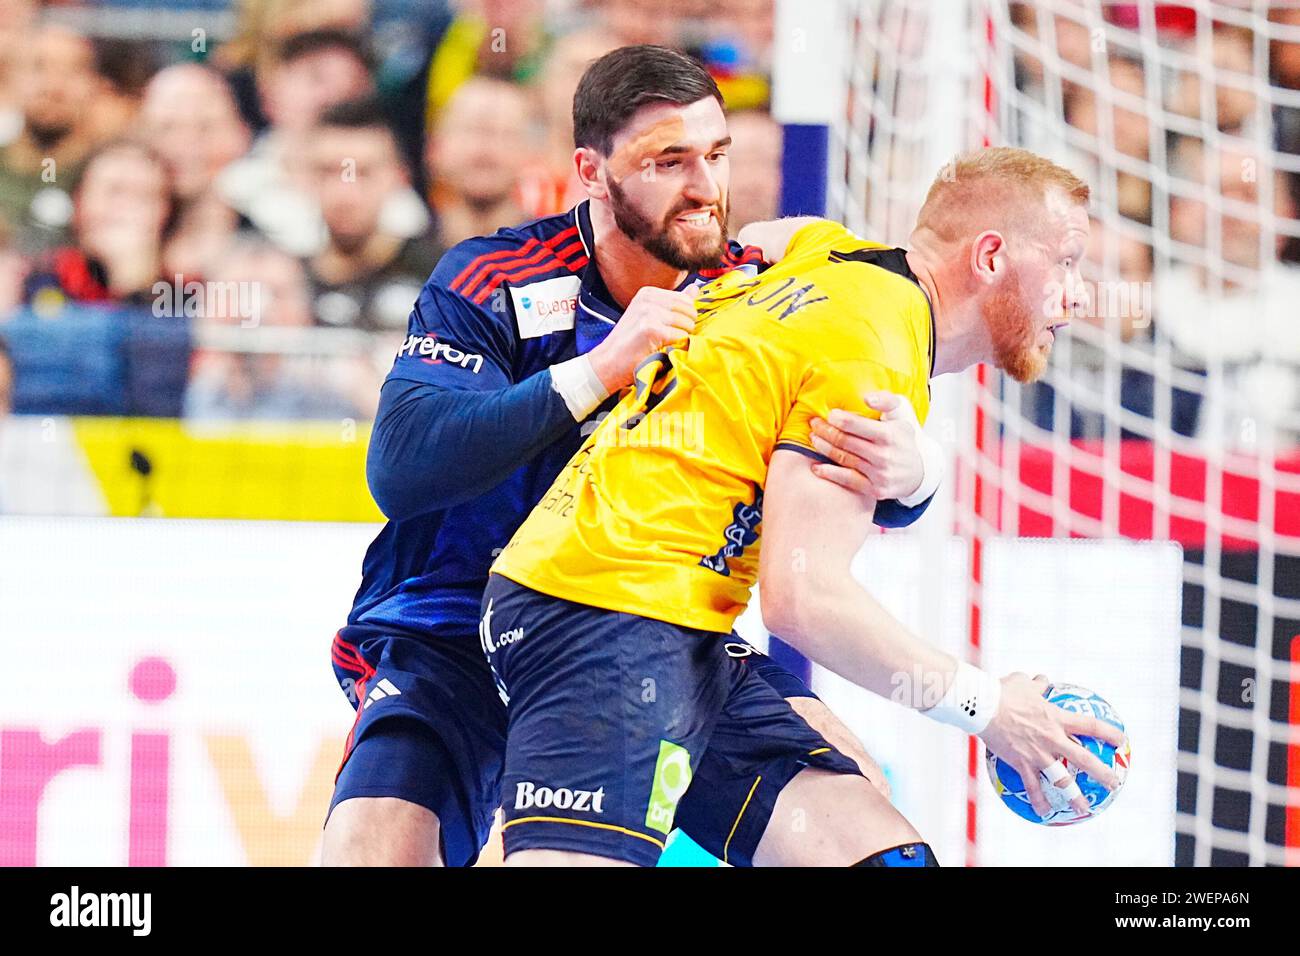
(381,690)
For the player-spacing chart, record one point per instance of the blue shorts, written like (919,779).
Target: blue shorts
(430,729)
(621,726)
(439,742)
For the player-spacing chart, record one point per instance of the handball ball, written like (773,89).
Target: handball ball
(1010,787)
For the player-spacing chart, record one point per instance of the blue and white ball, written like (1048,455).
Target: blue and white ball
(1011,788)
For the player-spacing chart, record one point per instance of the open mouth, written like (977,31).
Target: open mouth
(700,219)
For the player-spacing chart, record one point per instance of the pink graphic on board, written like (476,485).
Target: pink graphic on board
(152,680)
(27,765)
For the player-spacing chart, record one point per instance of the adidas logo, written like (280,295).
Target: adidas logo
(381,690)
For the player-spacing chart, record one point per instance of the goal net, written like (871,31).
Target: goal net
(1171,409)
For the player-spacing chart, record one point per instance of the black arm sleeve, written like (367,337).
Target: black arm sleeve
(435,447)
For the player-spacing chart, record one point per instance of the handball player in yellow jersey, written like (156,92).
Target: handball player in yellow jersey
(606,617)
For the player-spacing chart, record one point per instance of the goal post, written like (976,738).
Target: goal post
(1171,409)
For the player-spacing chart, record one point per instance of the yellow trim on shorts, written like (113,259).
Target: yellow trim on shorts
(586,823)
(823,750)
(743,807)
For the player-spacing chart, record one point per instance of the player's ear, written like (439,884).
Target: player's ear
(988,256)
(588,164)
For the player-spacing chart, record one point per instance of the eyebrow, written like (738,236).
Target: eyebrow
(679,148)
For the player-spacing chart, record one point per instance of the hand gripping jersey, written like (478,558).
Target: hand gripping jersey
(496,310)
(658,514)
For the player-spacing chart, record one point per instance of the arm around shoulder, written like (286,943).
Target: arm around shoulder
(773,237)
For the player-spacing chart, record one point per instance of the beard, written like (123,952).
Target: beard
(657,239)
(1013,328)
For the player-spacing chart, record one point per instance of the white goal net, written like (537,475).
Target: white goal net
(1172,412)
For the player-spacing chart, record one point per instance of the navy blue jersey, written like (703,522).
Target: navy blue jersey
(496,311)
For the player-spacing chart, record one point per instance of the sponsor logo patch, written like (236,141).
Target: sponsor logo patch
(529,796)
(672,777)
(545,307)
(432,352)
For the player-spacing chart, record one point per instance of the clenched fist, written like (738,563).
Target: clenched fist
(654,318)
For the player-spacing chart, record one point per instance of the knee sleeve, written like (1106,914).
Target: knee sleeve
(909,854)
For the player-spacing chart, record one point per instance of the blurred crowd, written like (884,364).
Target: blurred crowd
(1188,129)
(283,191)
(290,182)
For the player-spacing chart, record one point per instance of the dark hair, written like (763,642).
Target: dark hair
(314,41)
(127,64)
(364,113)
(623,80)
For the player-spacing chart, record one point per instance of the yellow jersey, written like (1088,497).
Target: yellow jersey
(658,512)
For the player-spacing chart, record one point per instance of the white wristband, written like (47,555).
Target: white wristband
(931,469)
(971,701)
(579,386)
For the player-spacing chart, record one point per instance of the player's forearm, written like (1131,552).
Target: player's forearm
(434,447)
(812,530)
(838,624)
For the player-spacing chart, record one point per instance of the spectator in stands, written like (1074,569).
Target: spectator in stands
(1072,29)
(1128,132)
(1228,308)
(505,39)
(1234,73)
(311,72)
(1284,54)
(368,275)
(125,67)
(641,21)
(1238,183)
(750,22)
(732,38)
(6,381)
(755,168)
(189,115)
(252,365)
(13,274)
(122,208)
(476,157)
(551,185)
(262,28)
(1118,255)
(1128,129)
(16,19)
(1284,68)
(56,80)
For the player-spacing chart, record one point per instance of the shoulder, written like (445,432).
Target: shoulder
(871,306)
(474,268)
(735,256)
